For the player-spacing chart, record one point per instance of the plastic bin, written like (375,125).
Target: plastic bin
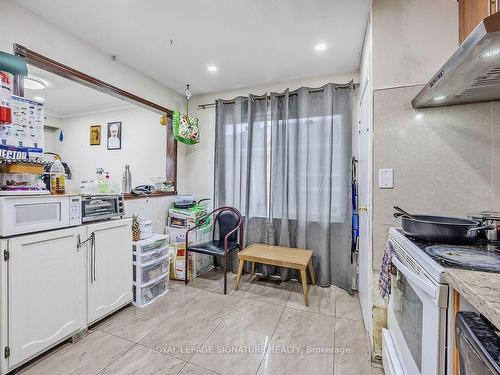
(147,294)
(144,273)
(150,256)
(155,242)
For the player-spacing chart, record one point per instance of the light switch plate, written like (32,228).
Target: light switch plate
(386,178)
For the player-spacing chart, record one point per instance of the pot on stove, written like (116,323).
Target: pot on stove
(491,219)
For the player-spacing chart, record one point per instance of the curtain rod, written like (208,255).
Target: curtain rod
(267,97)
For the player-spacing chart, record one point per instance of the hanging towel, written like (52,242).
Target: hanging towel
(384,281)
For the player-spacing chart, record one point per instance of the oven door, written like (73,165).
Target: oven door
(417,319)
(99,208)
(33,214)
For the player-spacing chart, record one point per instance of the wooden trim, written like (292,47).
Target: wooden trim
(45,63)
(456,309)
(171,166)
(149,195)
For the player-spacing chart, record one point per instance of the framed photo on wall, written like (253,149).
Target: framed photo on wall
(114,135)
(95,135)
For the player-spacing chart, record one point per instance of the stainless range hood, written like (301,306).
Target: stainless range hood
(472,74)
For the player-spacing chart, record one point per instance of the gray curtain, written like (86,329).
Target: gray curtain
(241,160)
(290,176)
(311,178)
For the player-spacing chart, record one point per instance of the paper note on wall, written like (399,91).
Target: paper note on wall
(23,139)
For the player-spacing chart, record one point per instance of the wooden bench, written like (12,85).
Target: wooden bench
(281,256)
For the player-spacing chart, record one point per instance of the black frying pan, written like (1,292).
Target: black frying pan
(440,229)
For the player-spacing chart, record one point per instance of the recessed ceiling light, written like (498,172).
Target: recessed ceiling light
(439,98)
(34,83)
(212,68)
(39,98)
(320,47)
(419,115)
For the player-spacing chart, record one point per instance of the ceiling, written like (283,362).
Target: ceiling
(251,42)
(65,98)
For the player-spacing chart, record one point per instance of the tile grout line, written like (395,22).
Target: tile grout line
(210,334)
(271,338)
(113,361)
(144,346)
(138,342)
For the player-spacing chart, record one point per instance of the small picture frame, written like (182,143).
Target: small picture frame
(114,139)
(95,135)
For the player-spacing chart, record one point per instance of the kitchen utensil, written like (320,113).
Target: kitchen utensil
(440,229)
(404,212)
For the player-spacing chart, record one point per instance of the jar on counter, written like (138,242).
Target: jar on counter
(57,178)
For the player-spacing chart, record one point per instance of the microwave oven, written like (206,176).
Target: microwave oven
(35,213)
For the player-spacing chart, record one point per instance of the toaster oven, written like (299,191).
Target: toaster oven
(102,207)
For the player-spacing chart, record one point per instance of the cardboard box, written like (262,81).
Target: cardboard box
(186,217)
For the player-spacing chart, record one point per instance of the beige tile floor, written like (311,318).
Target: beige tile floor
(263,328)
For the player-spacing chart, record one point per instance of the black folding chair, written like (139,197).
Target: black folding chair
(230,222)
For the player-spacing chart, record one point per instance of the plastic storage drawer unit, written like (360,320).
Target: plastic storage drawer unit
(155,242)
(147,294)
(144,273)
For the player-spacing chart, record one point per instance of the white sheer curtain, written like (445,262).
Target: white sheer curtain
(310,178)
(241,160)
(290,176)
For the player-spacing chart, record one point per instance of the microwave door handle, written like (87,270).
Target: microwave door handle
(411,276)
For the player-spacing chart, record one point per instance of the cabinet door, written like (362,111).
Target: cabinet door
(46,291)
(471,13)
(109,267)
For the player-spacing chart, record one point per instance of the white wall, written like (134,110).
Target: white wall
(143,145)
(412,39)
(21,26)
(195,162)
(364,183)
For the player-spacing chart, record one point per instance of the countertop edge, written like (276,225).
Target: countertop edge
(480,289)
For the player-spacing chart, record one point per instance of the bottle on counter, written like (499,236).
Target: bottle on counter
(127,180)
(57,178)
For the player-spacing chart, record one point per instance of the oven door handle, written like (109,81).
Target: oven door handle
(411,276)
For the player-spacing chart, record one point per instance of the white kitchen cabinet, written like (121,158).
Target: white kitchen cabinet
(109,270)
(46,291)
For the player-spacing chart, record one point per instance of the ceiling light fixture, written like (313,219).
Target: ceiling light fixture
(439,98)
(34,83)
(39,98)
(212,68)
(320,47)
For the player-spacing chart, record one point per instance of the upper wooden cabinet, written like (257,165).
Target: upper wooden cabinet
(471,12)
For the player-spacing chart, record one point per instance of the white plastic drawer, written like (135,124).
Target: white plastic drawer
(146,295)
(155,242)
(151,271)
(150,256)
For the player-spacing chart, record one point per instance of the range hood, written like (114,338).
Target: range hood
(472,74)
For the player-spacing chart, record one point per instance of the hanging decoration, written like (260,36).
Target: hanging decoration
(186,129)
(164,120)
